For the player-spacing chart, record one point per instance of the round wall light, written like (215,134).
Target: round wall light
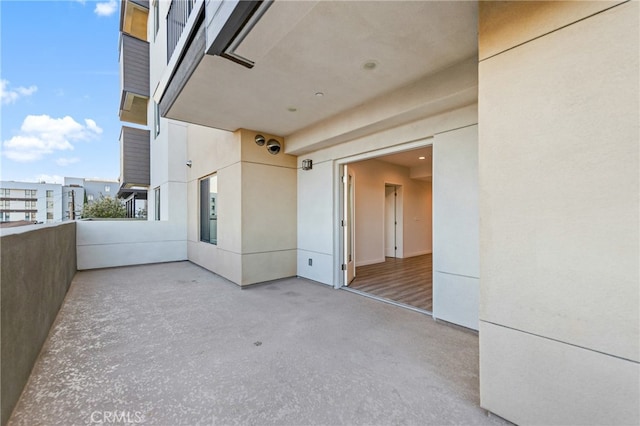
(260,140)
(273,146)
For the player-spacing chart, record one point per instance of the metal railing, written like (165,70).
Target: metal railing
(179,11)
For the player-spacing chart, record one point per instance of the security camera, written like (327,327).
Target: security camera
(189,163)
(260,140)
(273,146)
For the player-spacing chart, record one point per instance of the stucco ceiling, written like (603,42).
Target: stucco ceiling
(304,48)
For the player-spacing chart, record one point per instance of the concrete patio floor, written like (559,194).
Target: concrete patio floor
(173,344)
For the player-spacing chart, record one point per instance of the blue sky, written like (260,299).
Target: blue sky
(60,89)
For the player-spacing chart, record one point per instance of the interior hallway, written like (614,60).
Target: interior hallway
(408,281)
(175,344)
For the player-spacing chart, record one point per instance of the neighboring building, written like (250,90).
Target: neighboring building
(51,202)
(278,128)
(94,188)
(30,201)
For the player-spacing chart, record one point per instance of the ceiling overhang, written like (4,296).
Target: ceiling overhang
(315,60)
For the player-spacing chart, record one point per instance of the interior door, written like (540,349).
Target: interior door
(390,221)
(348,225)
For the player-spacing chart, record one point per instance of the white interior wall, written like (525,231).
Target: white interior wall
(414,236)
(560,197)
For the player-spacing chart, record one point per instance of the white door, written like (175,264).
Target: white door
(348,216)
(390,221)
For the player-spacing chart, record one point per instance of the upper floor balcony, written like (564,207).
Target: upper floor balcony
(134,79)
(133,18)
(134,158)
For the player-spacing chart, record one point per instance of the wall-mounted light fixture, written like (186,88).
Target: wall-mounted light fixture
(260,140)
(189,163)
(307,164)
(273,146)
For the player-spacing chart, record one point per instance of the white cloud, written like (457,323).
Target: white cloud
(50,179)
(91,125)
(106,8)
(63,162)
(10,96)
(41,135)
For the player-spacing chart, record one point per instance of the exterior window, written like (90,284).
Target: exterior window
(107,188)
(4,192)
(4,217)
(4,204)
(49,204)
(30,216)
(157,201)
(209,209)
(30,193)
(90,197)
(29,204)
(156,18)
(156,119)
(49,194)
(49,215)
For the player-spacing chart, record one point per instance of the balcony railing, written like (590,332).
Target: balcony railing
(179,12)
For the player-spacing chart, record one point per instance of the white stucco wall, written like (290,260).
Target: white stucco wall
(455,227)
(111,243)
(559,204)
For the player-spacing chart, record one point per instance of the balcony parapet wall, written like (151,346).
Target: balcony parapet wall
(38,263)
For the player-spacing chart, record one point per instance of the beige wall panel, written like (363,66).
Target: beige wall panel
(505,24)
(252,152)
(455,200)
(532,380)
(229,265)
(269,208)
(211,150)
(203,254)
(230,209)
(260,267)
(559,185)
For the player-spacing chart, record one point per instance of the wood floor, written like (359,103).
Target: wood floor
(408,281)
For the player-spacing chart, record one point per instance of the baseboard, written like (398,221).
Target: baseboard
(369,262)
(418,253)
